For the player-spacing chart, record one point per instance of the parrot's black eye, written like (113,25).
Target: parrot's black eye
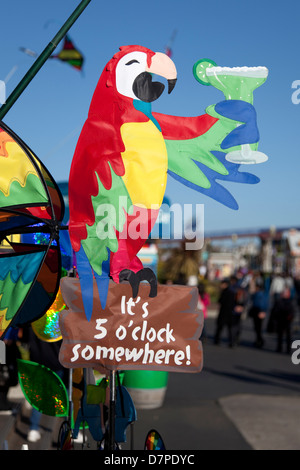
(133,61)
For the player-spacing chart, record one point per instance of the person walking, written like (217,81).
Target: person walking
(240,302)
(283,315)
(277,287)
(225,316)
(258,311)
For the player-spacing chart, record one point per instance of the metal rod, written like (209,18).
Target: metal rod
(112,410)
(83,421)
(42,59)
(70,395)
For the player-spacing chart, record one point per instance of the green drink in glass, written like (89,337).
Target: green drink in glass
(237,83)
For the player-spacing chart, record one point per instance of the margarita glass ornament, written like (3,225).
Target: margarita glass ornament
(237,83)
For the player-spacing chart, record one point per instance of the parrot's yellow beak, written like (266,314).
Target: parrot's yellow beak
(162,65)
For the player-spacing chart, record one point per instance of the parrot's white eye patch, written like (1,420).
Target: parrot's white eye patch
(128,68)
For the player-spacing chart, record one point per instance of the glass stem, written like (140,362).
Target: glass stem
(246,150)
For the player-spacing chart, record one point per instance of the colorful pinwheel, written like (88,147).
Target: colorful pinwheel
(154,441)
(30,203)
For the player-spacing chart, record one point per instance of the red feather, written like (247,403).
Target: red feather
(181,128)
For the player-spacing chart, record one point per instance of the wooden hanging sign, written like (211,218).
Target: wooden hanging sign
(156,333)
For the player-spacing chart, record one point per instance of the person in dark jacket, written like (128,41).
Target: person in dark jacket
(225,316)
(258,311)
(283,316)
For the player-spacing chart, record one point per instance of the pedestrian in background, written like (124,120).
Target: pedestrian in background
(240,302)
(279,284)
(283,315)
(227,303)
(258,311)
(276,288)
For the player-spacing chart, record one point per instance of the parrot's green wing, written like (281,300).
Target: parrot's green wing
(182,155)
(110,208)
(199,161)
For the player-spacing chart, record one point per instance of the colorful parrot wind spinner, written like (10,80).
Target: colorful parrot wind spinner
(123,157)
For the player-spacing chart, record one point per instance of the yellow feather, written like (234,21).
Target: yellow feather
(146,163)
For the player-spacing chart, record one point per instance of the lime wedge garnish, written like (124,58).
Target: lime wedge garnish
(199,70)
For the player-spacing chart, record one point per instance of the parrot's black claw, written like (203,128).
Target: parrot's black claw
(131,277)
(134,279)
(146,274)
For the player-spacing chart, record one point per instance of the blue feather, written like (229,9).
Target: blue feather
(85,274)
(86,278)
(103,281)
(216,190)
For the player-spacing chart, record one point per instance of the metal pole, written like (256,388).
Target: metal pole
(42,59)
(112,410)
(70,395)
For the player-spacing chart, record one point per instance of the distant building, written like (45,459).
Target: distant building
(220,265)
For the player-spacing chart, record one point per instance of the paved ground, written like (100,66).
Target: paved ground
(243,399)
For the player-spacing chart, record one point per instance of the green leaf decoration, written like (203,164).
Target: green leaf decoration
(43,389)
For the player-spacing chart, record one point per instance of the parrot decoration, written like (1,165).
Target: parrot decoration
(122,159)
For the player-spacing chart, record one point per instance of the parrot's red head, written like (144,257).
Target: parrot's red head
(129,75)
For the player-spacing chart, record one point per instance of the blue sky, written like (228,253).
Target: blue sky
(50,113)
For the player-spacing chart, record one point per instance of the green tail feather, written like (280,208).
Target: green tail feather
(110,207)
